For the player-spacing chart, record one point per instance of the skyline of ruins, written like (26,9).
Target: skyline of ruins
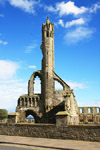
(77,34)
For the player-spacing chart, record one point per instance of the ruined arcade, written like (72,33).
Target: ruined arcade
(51,105)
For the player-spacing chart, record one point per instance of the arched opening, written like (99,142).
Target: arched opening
(37,85)
(98,110)
(31,116)
(58,85)
(81,110)
(89,110)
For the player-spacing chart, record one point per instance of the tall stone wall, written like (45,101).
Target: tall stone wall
(86,133)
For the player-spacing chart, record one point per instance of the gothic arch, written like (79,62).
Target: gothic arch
(31,82)
(37,73)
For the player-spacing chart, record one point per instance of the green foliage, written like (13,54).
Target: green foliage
(3,114)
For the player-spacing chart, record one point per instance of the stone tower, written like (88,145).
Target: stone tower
(47,48)
(45,106)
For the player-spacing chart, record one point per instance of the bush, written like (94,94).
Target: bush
(3,114)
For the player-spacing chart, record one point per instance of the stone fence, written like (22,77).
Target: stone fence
(79,132)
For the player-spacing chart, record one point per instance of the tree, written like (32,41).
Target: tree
(3,114)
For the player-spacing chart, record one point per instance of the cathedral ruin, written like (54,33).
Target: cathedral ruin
(52,106)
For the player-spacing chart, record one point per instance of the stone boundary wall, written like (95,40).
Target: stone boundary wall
(86,133)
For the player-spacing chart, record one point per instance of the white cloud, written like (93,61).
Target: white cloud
(67,8)
(49,8)
(94,8)
(60,22)
(78,34)
(76,85)
(25,5)
(79,21)
(3,43)
(10,90)
(81,30)
(31,47)
(32,67)
(7,69)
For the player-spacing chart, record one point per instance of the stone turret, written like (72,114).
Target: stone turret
(47,48)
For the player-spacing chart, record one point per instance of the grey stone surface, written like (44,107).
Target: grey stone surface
(44,106)
(86,133)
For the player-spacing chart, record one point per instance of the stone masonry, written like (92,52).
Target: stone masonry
(51,105)
(73,132)
(46,105)
(89,115)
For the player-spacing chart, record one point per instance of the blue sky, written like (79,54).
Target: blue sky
(77,46)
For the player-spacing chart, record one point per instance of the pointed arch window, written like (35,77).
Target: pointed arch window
(37,85)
